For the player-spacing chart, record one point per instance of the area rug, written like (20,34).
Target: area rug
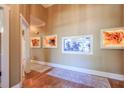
(82,78)
(39,68)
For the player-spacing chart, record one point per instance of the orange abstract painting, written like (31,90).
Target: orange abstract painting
(35,42)
(113,38)
(50,41)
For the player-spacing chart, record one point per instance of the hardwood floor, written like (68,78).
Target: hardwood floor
(44,80)
(116,83)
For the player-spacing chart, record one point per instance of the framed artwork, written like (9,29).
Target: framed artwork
(112,38)
(35,42)
(50,41)
(78,45)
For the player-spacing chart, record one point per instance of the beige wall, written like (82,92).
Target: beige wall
(25,11)
(39,12)
(71,20)
(15,56)
(15,41)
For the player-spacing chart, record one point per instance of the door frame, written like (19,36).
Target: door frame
(24,25)
(5,49)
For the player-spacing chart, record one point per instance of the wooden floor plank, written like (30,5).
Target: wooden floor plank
(43,80)
(116,83)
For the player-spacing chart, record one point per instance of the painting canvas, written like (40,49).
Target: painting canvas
(78,45)
(50,41)
(35,42)
(112,38)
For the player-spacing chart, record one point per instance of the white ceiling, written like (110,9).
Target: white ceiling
(47,5)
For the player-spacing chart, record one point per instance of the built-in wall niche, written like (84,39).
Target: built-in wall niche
(78,45)
(112,38)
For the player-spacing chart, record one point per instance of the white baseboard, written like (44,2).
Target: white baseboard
(19,85)
(83,70)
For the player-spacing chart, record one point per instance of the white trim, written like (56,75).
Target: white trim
(5,49)
(83,70)
(19,85)
(25,46)
(24,20)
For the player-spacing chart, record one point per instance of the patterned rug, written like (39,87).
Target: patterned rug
(82,78)
(39,68)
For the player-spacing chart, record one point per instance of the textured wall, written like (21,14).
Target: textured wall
(25,11)
(15,47)
(71,20)
(15,41)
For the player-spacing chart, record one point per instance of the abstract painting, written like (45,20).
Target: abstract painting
(35,42)
(78,45)
(50,41)
(112,38)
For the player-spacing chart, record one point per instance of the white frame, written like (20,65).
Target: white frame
(39,42)
(5,49)
(108,30)
(49,47)
(91,53)
(24,26)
